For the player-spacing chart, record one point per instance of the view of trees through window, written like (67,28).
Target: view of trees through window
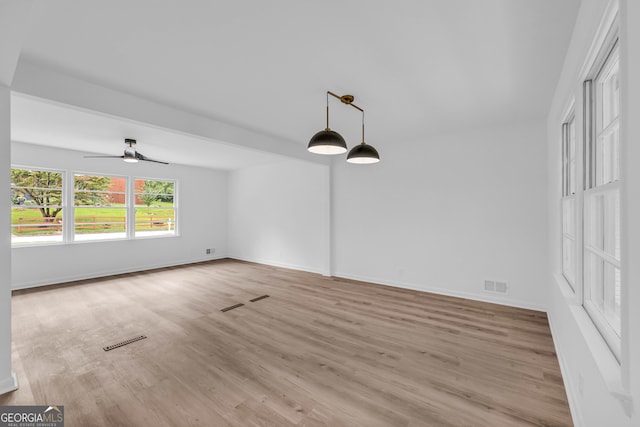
(102,207)
(155,209)
(36,205)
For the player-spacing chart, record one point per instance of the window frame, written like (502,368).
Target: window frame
(592,189)
(73,235)
(64,206)
(569,199)
(68,234)
(134,193)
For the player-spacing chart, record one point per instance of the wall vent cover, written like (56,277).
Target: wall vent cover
(489,285)
(501,287)
(498,286)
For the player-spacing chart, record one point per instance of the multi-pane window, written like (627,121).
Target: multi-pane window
(100,207)
(155,207)
(36,206)
(569,200)
(602,280)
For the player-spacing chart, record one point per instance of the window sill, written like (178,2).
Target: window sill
(93,240)
(610,369)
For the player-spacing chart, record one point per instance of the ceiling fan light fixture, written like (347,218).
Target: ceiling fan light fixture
(130,154)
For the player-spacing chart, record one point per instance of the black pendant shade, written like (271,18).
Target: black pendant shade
(327,142)
(363,154)
(331,142)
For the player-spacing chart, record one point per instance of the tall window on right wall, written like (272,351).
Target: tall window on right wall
(601,258)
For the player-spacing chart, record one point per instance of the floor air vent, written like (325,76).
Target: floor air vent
(259,298)
(231,307)
(120,344)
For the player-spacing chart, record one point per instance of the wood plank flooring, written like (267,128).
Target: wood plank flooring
(317,352)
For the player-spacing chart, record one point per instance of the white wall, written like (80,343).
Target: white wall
(202,202)
(630,12)
(598,387)
(7,379)
(13,27)
(279,215)
(447,212)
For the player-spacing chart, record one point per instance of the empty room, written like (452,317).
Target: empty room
(339,213)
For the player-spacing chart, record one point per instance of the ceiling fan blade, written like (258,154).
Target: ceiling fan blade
(146,159)
(104,157)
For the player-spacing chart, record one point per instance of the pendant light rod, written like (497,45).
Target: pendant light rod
(346,99)
(362,126)
(327,128)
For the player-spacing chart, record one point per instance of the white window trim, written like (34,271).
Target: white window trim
(64,206)
(615,372)
(176,210)
(591,123)
(73,238)
(68,205)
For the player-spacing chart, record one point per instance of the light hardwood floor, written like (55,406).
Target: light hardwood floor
(317,352)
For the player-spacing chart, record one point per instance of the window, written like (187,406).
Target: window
(36,206)
(100,208)
(569,200)
(601,211)
(155,211)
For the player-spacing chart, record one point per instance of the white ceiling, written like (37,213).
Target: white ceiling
(52,124)
(418,67)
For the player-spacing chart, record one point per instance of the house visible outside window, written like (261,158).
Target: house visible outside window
(100,207)
(37,208)
(155,211)
(569,200)
(601,271)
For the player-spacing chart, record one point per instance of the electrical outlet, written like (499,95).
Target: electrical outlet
(208,251)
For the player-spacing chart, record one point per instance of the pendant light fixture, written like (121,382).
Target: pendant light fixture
(327,141)
(363,153)
(330,142)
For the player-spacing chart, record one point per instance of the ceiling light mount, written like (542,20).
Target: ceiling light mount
(346,99)
(330,142)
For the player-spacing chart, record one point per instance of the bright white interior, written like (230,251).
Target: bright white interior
(465,100)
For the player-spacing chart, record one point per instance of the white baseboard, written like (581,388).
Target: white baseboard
(279,264)
(107,273)
(441,291)
(9,384)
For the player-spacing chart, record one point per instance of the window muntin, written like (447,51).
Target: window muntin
(155,211)
(37,207)
(601,210)
(568,201)
(607,153)
(100,207)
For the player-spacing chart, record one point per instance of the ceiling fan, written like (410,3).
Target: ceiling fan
(130,154)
